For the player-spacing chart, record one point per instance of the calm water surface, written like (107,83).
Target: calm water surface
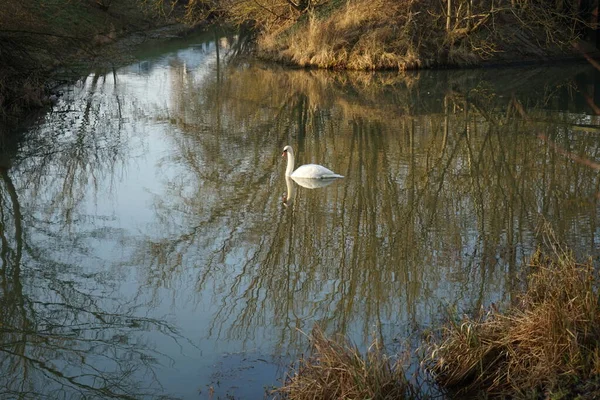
(151,247)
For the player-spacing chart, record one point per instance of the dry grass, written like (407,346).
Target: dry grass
(547,345)
(360,35)
(409,34)
(337,370)
(548,342)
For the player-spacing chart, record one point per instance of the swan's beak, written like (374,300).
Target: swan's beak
(283,154)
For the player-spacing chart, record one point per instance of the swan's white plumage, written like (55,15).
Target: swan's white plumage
(308,171)
(314,171)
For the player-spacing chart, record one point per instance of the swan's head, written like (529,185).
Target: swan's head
(286,150)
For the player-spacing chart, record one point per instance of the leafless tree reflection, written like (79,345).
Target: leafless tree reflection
(445,186)
(64,331)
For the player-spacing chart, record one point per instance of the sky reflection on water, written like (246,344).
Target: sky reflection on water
(147,249)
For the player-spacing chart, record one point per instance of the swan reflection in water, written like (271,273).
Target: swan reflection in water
(312,183)
(308,183)
(290,193)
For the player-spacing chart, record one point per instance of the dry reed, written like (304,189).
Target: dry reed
(336,369)
(391,34)
(546,345)
(548,342)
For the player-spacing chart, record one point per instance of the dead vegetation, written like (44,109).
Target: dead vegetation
(336,369)
(401,35)
(547,345)
(357,35)
(547,342)
(387,34)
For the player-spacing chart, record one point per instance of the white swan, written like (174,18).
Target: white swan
(308,171)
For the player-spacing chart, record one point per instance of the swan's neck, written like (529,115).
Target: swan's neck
(290,163)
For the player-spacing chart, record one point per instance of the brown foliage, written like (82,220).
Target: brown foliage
(389,34)
(337,370)
(549,340)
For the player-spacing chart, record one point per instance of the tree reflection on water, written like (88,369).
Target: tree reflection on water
(445,186)
(64,331)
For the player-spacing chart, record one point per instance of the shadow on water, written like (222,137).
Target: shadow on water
(156,190)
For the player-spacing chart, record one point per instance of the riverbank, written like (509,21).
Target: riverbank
(545,345)
(385,34)
(414,34)
(44,44)
(41,43)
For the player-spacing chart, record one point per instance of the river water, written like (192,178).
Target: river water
(152,247)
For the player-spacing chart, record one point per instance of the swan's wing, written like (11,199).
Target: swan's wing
(314,171)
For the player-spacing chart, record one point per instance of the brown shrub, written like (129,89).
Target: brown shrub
(408,34)
(337,370)
(551,339)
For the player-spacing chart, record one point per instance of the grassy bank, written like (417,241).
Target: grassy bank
(39,37)
(391,34)
(548,343)
(545,346)
(36,37)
